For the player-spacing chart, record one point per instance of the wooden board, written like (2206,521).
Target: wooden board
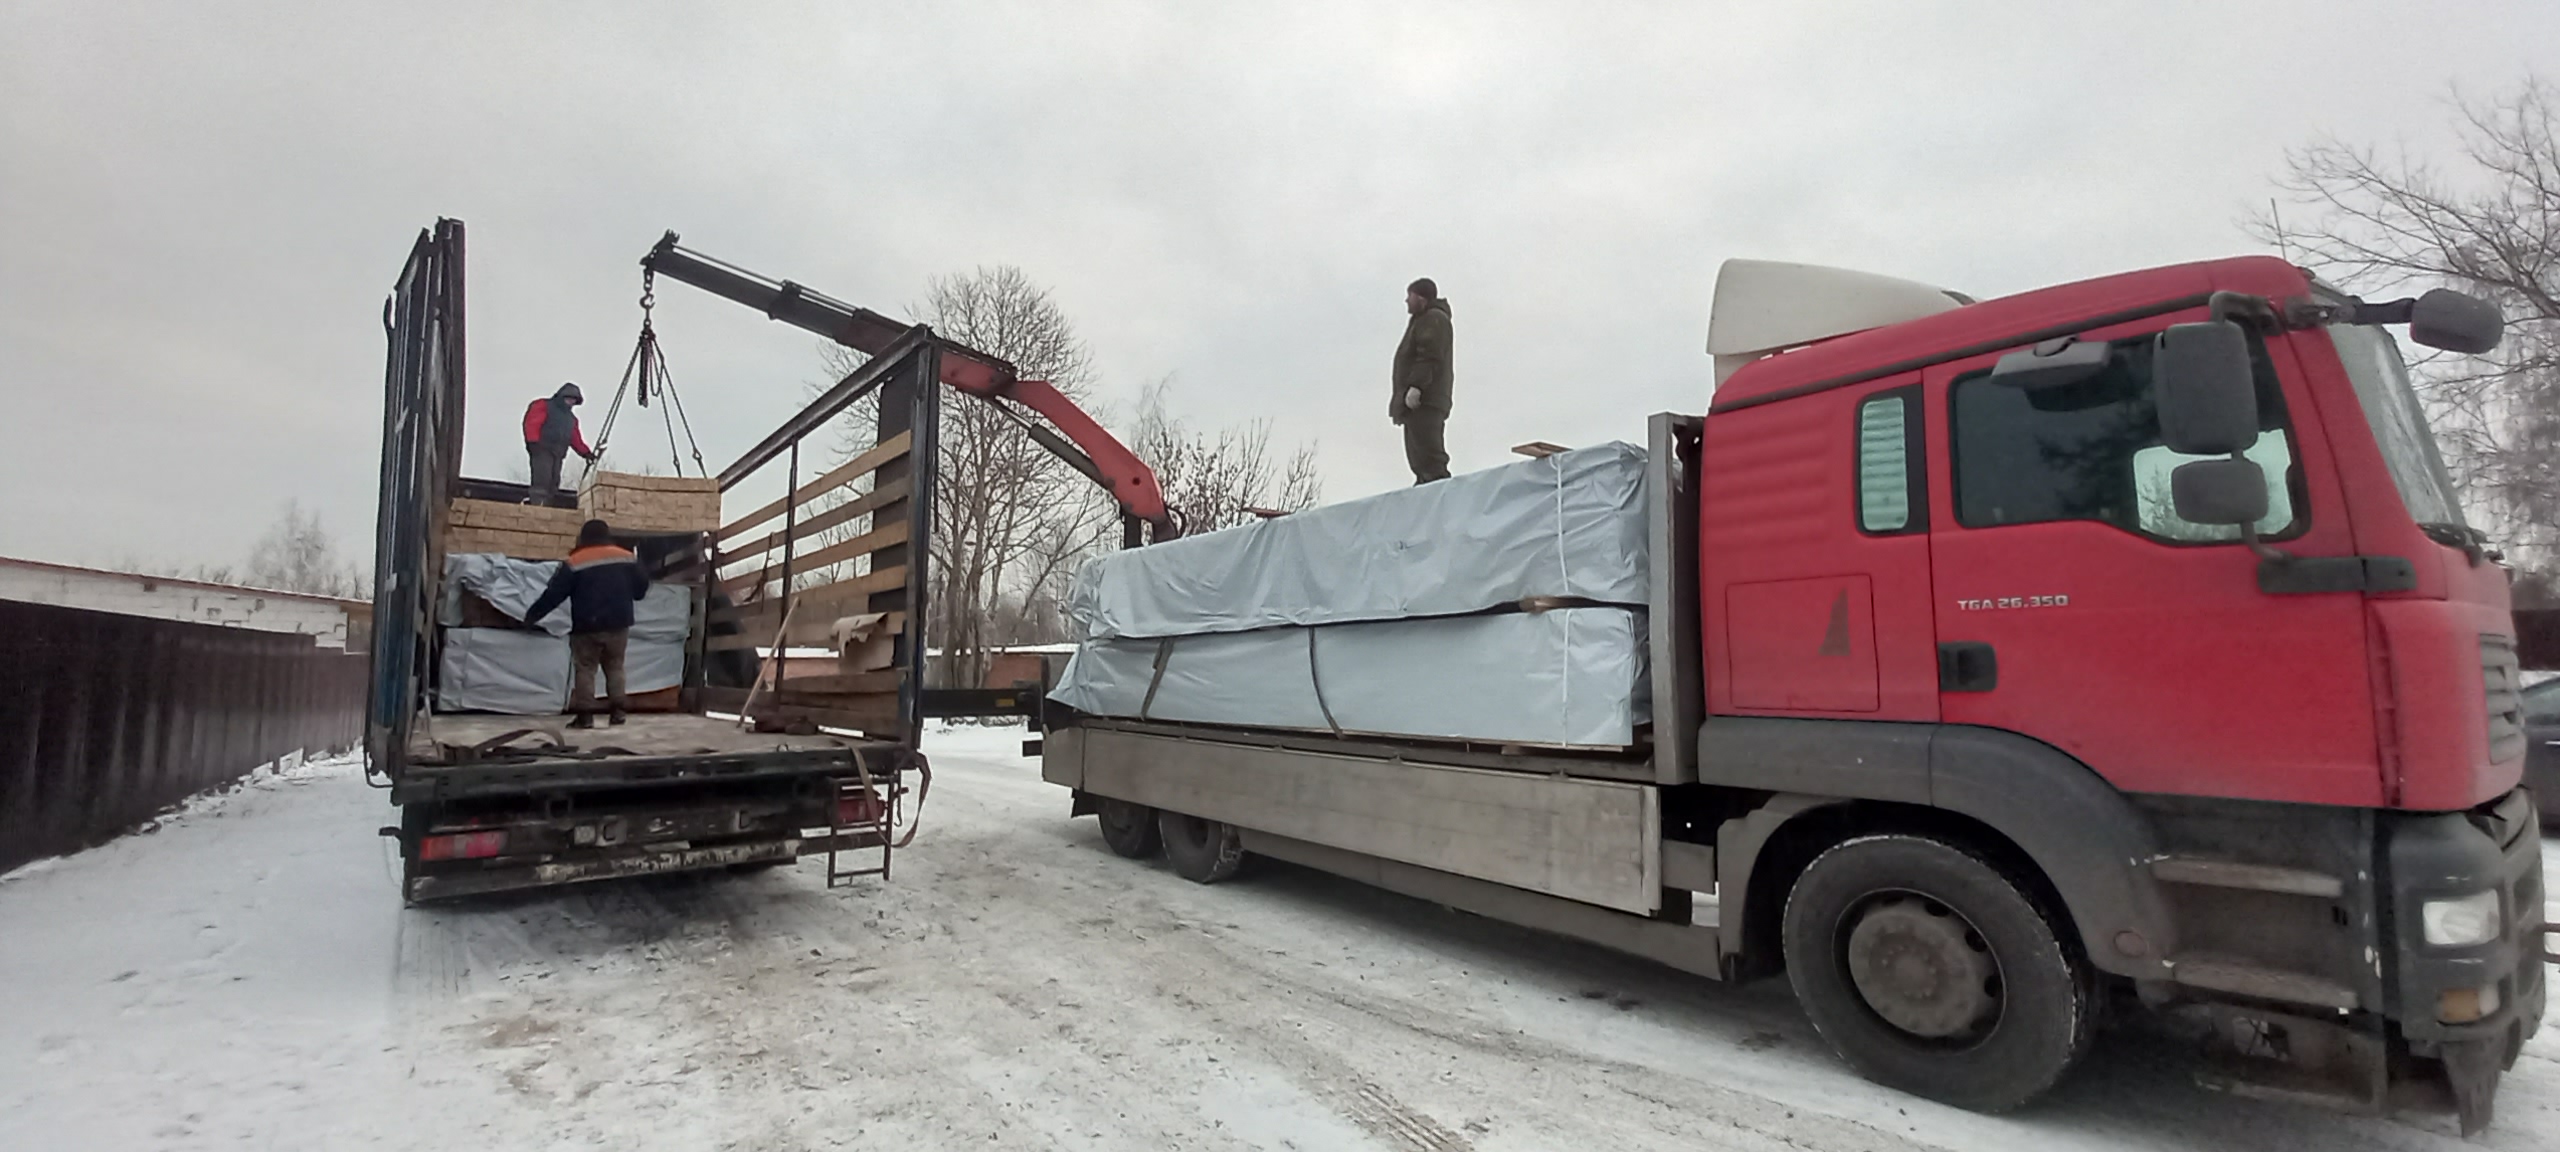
(524,531)
(863,545)
(868,462)
(521,545)
(869,713)
(823,603)
(635,503)
(815,523)
(811,632)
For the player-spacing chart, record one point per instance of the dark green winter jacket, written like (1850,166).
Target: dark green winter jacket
(1422,361)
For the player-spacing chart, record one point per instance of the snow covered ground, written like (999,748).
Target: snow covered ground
(244,976)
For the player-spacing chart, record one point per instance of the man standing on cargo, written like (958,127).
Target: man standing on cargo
(602,583)
(1423,375)
(550,431)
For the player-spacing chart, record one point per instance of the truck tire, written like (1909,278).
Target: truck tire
(1130,829)
(1201,851)
(1932,970)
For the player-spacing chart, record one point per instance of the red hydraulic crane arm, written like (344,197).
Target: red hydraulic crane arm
(1062,428)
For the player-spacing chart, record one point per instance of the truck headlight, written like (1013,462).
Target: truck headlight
(2461,921)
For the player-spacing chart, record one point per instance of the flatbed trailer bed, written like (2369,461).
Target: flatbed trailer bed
(457,756)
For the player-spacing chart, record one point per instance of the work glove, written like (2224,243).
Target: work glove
(1413,397)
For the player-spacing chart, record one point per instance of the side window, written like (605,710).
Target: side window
(1892,481)
(2091,450)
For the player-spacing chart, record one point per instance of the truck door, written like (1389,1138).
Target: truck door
(421,454)
(1815,557)
(2075,607)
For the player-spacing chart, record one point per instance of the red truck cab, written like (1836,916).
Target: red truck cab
(2265,760)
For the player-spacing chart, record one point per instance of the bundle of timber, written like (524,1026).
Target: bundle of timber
(1503,606)
(636,503)
(525,531)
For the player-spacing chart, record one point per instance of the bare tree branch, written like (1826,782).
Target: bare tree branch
(2489,225)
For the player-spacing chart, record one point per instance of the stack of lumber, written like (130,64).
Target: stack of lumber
(523,531)
(635,503)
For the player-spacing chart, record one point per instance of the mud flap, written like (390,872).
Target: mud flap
(2471,1069)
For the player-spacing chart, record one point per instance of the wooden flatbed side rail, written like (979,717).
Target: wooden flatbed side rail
(891,449)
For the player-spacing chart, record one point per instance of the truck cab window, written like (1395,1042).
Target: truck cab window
(2091,451)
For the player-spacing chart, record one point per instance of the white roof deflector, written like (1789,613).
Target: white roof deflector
(1765,306)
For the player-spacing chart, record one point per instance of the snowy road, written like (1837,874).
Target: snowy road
(244,976)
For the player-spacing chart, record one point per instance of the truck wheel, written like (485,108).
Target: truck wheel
(1201,851)
(1130,829)
(1931,970)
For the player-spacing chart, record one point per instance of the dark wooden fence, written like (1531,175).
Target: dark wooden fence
(106,719)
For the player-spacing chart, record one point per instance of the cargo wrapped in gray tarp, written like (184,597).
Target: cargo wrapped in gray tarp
(1567,525)
(503,670)
(527,672)
(1570,678)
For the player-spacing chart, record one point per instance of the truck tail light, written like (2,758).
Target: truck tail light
(462,846)
(858,808)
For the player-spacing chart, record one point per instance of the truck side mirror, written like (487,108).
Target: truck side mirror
(2207,397)
(2052,364)
(2230,491)
(2444,318)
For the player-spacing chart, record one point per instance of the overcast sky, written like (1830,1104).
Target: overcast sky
(202,206)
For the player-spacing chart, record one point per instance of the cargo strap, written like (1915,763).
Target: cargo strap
(1317,679)
(1164,654)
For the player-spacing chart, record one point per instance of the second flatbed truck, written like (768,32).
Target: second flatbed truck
(2168,675)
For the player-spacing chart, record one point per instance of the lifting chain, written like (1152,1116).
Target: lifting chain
(648,371)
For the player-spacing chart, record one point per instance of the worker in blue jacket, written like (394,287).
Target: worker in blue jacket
(603,584)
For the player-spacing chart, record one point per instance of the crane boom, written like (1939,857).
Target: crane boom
(1063,428)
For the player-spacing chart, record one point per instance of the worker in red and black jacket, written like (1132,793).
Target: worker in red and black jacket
(550,431)
(603,583)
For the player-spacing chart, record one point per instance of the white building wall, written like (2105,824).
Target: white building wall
(319,617)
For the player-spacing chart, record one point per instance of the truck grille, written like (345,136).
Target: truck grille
(2503,684)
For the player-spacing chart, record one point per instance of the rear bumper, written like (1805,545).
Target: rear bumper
(504,875)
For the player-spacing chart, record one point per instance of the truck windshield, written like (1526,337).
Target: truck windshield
(2382,385)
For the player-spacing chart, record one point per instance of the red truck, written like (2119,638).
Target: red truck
(2110,645)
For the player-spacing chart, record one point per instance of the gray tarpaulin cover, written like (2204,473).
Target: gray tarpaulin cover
(527,673)
(1570,676)
(1396,588)
(1571,524)
(503,670)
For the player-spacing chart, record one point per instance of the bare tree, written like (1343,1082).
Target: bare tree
(1216,480)
(1012,523)
(2489,224)
(1010,519)
(297,554)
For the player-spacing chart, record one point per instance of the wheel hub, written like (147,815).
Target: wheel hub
(1923,968)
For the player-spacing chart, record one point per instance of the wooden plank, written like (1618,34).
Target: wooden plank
(875,713)
(858,682)
(885,494)
(827,594)
(863,545)
(805,633)
(876,721)
(881,453)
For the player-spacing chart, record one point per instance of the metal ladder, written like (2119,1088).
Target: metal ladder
(873,810)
